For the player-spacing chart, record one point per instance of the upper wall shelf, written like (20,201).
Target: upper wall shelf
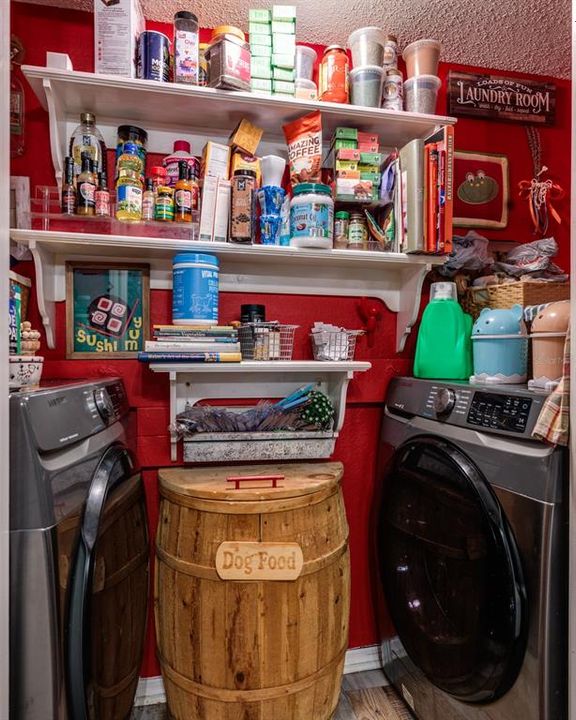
(164,109)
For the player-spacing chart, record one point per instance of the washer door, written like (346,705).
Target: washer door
(451,572)
(108,594)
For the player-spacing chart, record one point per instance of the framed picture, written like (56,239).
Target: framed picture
(19,202)
(107,309)
(481,190)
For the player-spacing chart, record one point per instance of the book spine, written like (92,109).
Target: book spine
(449,189)
(194,331)
(441,197)
(200,357)
(432,207)
(186,347)
(195,340)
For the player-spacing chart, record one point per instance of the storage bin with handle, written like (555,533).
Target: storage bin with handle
(548,335)
(500,347)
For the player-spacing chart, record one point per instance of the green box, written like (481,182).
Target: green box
(261,51)
(346,133)
(284,44)
(374,177)
(343,143)
(265,40)
(259,15)
(279,27)
(284,87)
(282,74)
(260,68)
(287,61)
(255,28)
(371,159)
(261,85)
(284,12)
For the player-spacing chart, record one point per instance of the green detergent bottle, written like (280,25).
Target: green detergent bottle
(444,347)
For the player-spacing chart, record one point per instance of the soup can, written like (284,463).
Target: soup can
(195,289)
(153,56)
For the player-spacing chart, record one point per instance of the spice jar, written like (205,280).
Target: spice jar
(333,75)
(357,232)
(129,196)
(391,53)
(393,91)
(228,57)
(164,206)
(202,65)
(341,223)
(186,40)
(242,213)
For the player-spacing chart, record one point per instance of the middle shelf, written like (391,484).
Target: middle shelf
(394,278)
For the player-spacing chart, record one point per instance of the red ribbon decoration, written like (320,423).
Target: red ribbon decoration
(540,194)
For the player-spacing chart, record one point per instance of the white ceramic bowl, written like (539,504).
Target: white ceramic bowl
(25,370)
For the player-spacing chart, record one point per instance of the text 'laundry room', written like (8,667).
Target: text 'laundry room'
(285,422)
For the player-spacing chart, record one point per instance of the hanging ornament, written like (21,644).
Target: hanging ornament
(540,192)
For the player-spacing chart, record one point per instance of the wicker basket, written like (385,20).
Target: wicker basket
(525,293)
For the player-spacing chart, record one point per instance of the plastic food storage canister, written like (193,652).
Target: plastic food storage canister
(422,57)
(548,339)
(367,46)
(500,347)
(186,42)
(312,216)
(366,85)
(305,60)
(195,289)
(229,59)
(305,89)
(421,94)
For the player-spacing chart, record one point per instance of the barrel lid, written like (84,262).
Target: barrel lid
(210,483)
(196,258)
(554,318)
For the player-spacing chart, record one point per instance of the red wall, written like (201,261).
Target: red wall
(40,29)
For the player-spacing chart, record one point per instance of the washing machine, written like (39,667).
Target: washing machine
(78,554)
(471,545)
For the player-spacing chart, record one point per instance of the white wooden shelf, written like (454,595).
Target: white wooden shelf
(168,111)
(190,383)
(394,278)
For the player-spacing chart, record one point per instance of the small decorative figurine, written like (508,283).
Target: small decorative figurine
(30,339)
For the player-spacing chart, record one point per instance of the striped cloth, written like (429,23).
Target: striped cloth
(553,425)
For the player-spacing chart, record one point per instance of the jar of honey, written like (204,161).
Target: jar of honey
(333,75)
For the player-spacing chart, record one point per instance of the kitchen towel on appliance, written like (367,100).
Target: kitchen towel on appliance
(553,425)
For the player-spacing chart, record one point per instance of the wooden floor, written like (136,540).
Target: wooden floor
(365,696)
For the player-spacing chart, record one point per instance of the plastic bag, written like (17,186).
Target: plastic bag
(470,252)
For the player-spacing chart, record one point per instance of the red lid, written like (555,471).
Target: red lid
(181,145)
(158,170)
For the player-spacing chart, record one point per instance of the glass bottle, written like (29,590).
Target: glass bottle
(164,207)
(87,139)
(341,223)
(16,99)
(148,200)
(129,197)
(68,196)
(102,196)
(86,185)
(357,232)
(242,207)
(183,195)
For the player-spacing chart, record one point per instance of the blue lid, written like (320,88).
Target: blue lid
(196,258)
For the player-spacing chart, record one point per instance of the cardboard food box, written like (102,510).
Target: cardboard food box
(284,12)
(257,28)
(215,160)
(117,27)
(260,68)
(246,137)
(345,133)
(216,194)
(261,85)
(260,15)
(245,161)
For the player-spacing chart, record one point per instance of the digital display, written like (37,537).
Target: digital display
(500,412)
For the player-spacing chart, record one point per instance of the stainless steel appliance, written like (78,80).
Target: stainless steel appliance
(472,550)
(78,554)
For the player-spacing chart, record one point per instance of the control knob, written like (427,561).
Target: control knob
(104,404)
(444,401)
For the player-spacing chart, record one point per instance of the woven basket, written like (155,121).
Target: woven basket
(527,292)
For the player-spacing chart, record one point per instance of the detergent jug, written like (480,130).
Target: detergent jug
(500,344)
(443,349)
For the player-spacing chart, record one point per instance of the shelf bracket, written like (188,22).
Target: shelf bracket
(57,122)
(46,293)
(410,297)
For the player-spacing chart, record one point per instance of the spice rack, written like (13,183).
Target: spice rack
(255,380)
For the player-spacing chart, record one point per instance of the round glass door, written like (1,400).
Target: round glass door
(451,572)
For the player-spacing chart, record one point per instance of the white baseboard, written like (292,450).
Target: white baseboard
(150,691)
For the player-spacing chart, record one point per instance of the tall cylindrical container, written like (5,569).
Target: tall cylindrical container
(195,289)
(186,42)
(252,592)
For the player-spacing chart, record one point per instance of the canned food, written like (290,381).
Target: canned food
(153,56)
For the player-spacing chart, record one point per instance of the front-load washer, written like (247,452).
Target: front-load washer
(471,546)
(78,554)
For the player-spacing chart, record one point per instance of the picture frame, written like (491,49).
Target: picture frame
(107,309)
(19,202)
(481,190)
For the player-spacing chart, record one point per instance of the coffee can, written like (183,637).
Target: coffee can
(153,56)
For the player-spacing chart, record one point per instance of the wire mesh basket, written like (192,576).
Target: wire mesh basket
(338,345)
(266,341)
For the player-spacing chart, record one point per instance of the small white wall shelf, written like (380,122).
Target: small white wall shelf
(190,383)
(394,278)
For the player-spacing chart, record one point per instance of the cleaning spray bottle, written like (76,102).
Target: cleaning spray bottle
(444,347)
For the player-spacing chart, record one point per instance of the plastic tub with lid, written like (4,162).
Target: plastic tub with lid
(305,89)
(500,347)
(367,45)
(422,57)
(312,216)
(548,337)
(421,94)
(195,289)
(306,58)
(366,85)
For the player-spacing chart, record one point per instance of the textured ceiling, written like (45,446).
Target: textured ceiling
(530,36)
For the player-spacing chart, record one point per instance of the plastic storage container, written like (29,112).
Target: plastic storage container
(366,85)
(422,57)
(195,289)
(421,94)
(443,349)
(548,339)
(186,41)
(305,60)
(500,347)
(367,46)
(305,89)
(312,216)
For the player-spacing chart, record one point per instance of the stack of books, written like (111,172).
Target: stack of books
(186,343)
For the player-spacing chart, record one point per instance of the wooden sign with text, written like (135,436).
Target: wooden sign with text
(259,561)
(494,97)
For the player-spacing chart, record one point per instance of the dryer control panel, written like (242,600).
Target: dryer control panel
(500,412)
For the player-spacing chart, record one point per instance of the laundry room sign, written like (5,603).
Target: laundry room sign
(493,97)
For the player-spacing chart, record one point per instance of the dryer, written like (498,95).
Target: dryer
(78,554)
(472,553)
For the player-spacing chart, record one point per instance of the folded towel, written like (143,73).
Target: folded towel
(553,425)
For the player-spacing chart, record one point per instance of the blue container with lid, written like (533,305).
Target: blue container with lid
(195,289)
(500,347)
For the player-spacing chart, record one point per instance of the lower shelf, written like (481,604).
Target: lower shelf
(233,447)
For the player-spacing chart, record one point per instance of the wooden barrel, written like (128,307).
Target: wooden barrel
(252,592)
